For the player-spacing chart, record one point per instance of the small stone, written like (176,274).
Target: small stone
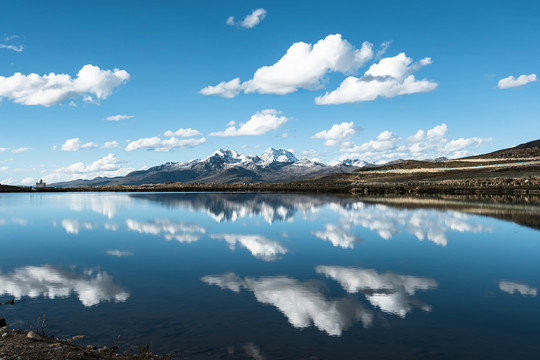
(90,347)
(4,335)
(32,335)
(78,337)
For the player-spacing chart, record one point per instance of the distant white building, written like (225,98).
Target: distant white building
(41,184)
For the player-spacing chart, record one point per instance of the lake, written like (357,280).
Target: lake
(270,276)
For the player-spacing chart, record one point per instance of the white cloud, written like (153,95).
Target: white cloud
(250,20)
(510,81)
(390,77)
(386,140)
(4,149)
(461,143)
(182,132)
(110,144)
(119,117)
(17,48)
(53,283)
(52,89)
(20,149)
(75,145)
(260,246)
(260,123)
(513,287)
(157,144)
(424,144)
(3,168)
(226,89)
(382,50)
(302,67)
(337,133)
(109,165)
(302,303)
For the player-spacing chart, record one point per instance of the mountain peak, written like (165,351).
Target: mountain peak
(272,155)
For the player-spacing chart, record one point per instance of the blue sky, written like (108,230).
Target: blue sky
(375,80)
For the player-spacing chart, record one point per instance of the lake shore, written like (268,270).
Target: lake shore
(28,345)
(503,186)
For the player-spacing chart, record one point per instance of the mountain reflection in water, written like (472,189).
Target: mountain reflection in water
(387,221)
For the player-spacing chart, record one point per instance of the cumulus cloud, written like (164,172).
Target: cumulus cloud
(182,132)
(424,144)
(461,143)
(390,77)
(390,292)
(302,67)
(510,81)
(76,145)
(260,123)
(513,287)
(302,303)
(119,117)
(260,246)
(250,20)
(53,282)
(109,165)
(163,145)
(169,230)
(110,144)
(386,140)
(337,133)
(91,83)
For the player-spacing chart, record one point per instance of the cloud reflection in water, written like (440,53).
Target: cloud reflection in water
(54,282)
(260,246)
(390,292)
(180,231)
(513,287)
(387,222)
(303,303)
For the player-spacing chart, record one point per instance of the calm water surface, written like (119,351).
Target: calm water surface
(270,276)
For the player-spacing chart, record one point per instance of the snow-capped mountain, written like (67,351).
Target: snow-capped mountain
(281,156)
(227,166)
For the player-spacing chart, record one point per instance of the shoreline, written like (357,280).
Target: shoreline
(487,186)
(29,345)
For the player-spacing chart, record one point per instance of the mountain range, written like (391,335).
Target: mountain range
(227,166)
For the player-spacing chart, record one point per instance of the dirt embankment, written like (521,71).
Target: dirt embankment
(28,345)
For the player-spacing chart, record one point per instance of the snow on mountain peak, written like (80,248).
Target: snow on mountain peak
(354,162)
(229,156)
(280,155)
